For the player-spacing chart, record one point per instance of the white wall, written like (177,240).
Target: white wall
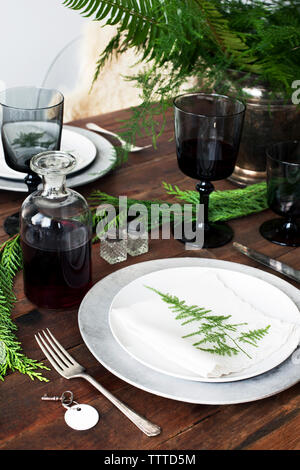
(32,32)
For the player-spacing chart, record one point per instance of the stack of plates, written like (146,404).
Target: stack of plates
(95,157)
(133,360)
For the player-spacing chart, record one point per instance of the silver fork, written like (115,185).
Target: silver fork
(131,148)
(66,366)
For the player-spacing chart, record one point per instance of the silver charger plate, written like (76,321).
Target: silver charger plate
(102,164)
(96,333)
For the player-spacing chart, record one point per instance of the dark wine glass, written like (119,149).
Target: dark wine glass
(283,193)
(207,131)
(31,123)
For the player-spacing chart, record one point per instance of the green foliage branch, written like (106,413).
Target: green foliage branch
(11,354)
(206,40)
(215,331)
(223,205)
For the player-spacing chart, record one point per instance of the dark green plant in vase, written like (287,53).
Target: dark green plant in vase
(249,49)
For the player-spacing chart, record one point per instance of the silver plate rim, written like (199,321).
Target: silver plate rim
(263,386)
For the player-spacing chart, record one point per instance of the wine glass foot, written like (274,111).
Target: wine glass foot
(215,235)
(12,224)
(281,231)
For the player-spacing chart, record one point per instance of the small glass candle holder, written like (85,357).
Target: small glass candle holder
(113,246)
(137,238)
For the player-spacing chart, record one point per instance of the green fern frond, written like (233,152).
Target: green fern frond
(139,22)
(218,28)
(213,329)
(253,336)
(221,350)
(202,39)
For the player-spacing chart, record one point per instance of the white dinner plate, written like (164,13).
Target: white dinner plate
(185,282)
(71,141)
(101,165)
(95,330)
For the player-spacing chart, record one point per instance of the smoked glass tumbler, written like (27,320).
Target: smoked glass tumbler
(31,122)
(283,192)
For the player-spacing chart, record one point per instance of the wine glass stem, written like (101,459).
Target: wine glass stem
(291,225)
(205,188)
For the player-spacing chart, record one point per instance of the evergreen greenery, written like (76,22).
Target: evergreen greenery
(199,38)
(223,205)
(11,355)
(32,139)
(214,330)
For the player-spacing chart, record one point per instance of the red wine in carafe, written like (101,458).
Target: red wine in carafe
(57,266)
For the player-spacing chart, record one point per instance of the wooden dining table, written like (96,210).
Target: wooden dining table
(27,422)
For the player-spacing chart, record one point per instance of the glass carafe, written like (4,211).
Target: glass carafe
(56,230)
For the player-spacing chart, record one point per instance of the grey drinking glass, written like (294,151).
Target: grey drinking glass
(283,193)
(31,122)
(208,129)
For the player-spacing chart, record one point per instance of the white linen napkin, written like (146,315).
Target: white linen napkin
(153,323)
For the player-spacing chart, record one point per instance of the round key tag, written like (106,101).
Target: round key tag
(81,417)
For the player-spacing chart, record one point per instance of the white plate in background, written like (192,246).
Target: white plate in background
(103,163)
(79,145)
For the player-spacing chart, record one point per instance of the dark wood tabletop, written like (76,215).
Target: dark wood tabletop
(27,422)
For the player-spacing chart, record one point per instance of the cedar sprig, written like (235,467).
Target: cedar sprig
(11,354)
(228,204)
(223,205)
